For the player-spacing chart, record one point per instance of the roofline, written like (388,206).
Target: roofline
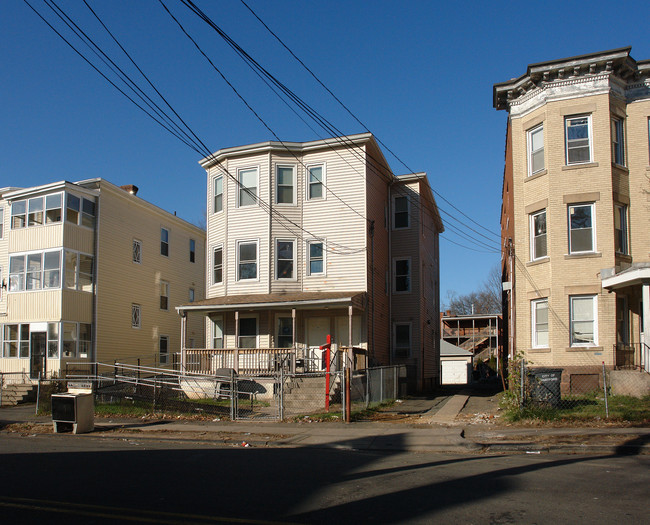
(471,316)
(52,186)
(253,306)
(261,147)
(422,178)
(627,278)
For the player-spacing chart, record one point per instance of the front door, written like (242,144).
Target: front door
(318,328)
(38,349)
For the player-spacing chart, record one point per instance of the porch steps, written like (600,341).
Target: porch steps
(306,395)
(15,393)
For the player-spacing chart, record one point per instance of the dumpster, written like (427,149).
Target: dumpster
(73,412)
(545,386)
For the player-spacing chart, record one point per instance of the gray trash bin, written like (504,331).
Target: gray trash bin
(545,386)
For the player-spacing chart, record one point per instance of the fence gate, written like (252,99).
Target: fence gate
(256,398)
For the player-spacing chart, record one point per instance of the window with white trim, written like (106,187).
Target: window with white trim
(163,349)
(285,259)
(69,347)
(53,340)
(538,247)
(402,275)
(247,260)
(315,182)
(35,271)
(578,139)
(285,185)
(316,257)
(247,187)
(584,320)
(79,273)
(137,251)
(79,210)
(247,332)
(217,265)
(581,228)
(539,320)
(164,295)
(53,208)
(618,141)
(620,229)
(88,213)
(192,250)
(536,150)
(164,242)
(217,332)
(400,212)
(18,214)
(218,194)
(136,316)
(84,344)
(35,211)
(402,339)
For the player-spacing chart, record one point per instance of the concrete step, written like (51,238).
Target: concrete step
(16,393)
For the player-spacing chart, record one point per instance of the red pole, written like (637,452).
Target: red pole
(327,348)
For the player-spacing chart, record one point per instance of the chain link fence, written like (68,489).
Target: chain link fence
(137,391)
(594,393)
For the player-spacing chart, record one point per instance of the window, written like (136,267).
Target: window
(164,295)
(247,260)
(402,340)
(247,187)
(137,251)
(218,194)
(581,231)
(85,279)
(247,332)
(51,269)
(71,268)
(18,214)
(285,261)
(85,340)
(402,275)
(34,271)
(79,271)
(578,139)
(315,182)
(620,228)
(2,222)
(53,340)
(285,332)
(35,208)
(622,320)
(316,258)
(163,348)
(217,332)
(618,144)
(53,208)
(285,185)
(192,250)
(191,295)
(16,273)
(69,340)
(538,235)
(217,265)
(540,323)
(88,213)
(583,320)
(536,150)
(11,340)
(400,212)
(135,316)
(164,242)
(72,211)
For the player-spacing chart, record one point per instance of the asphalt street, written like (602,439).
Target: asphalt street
(121,478)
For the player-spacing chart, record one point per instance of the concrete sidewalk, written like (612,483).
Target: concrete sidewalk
(437,431)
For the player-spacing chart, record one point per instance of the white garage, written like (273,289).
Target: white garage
(455,364)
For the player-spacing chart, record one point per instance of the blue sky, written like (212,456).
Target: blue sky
(418,74)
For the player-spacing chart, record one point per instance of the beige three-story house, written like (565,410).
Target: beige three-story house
(320,238)
(91,272)
(576,214)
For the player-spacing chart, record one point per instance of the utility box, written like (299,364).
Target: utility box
(73,412)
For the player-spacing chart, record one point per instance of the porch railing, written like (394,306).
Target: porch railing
(632,355)
(252,361)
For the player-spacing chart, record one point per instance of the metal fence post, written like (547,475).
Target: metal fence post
(367,400)
(605,390)
(381,385)
(154,395)
(281,393)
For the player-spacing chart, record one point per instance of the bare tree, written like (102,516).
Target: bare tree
(487,300)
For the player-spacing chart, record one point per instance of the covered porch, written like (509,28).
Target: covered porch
(263,333)
(632,288)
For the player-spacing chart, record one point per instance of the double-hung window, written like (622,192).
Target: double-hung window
(402,275)
(53,208)
(315,182)
(536,150)
(217,332)
(578,139)
(285,185)
(163,349)
(35,271)
(247,332)
(400,213)
(316,258)
(402,339)
(247,264)
(285,332)
(192,250)
(79,271)
(581,228)
(217,265)
(218,194)
(539,311)
(620,229)
(73,204)
(584,320)
(247,187)
(164,242)
(164,295)
(18,214)
(35,208)
(618,142)
(538,235)
(285,262)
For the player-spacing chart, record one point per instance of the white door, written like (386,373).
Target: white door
(318,328)
(454,372)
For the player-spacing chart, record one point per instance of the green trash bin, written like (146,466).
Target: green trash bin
(545,386)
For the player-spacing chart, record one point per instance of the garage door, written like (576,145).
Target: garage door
(454,372)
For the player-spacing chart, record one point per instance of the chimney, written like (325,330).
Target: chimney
(130,188)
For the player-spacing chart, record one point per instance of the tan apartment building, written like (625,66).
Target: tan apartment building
(91,272)
(575,213)
(310,239)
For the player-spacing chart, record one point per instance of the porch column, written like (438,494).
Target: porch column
(183,336)
(235,356)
